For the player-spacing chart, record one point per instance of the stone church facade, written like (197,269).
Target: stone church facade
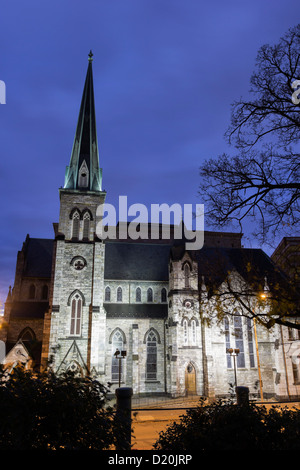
(78,298)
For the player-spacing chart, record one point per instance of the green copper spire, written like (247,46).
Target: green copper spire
(84,173)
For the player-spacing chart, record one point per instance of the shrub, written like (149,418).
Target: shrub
(46,411)
(227,426)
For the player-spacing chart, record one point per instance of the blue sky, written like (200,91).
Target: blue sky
(165,75)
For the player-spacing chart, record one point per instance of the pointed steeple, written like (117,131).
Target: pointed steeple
(83,172)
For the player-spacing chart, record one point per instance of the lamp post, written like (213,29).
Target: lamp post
(233,353)
(120,355)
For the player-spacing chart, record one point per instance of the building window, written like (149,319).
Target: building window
(227,342)
(107,294)
(31,294)
(75,224)
(119,294)
(149,295)
(76,315)
(250,342)
(185,332)
(117,343)
(164,295)
(151,364)
(296,374)
(193,325)
(86,225)
(239,341)
(186,276)
(138,294)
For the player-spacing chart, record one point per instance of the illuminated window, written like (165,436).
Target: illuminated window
(227,341)
(117,343)
(239,341)
(250,342)
(151,364)
(76,315)
(185,332)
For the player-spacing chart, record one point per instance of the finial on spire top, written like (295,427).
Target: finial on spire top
(91,56)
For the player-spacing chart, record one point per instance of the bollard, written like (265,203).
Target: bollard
(123,417)
(242,396)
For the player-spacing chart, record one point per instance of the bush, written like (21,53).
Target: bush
(47,412)
(227,426)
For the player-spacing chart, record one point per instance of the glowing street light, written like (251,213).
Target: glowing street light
(233,353)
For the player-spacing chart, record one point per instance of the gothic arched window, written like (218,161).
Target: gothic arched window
(86,225)
(151,363)
(75,224)
(119,294)
(193,325)
(186,276)
(107,294)
(76,315)
(239,340)
(138,294)
(227,341)
(164,295)
(117,343)
(149,295)
(185,332)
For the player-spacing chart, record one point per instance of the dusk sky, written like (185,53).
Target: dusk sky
(165,75)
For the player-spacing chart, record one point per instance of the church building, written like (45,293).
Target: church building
(140,312)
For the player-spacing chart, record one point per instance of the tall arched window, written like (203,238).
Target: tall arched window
(186,276)
(138,294)
(31,294)
(164,295)
(185,332)
(193,325)
(107,294)
(151,364)
(250,342)
(75,224)
(117,343)
(227,341)
(149,295)
(239,340)
(76,315)
(86,225)
(119,294)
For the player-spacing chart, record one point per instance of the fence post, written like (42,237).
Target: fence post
(242,395)
(123,417)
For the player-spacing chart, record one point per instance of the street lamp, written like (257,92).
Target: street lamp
(120,355)
(233,353)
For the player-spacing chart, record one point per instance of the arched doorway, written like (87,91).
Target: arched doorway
(190,380)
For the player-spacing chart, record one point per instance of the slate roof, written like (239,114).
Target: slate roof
(38,257)
(137,261)
(136,310)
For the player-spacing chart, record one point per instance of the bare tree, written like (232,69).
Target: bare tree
(262,180)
